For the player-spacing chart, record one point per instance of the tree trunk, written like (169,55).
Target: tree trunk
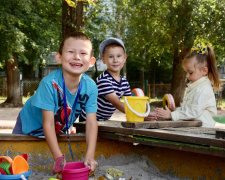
(79,15)
(178,79)
(70,22)
(68,19)
(14,98)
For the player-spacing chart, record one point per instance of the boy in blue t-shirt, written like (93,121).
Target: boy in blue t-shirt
(111,85)
(67,88)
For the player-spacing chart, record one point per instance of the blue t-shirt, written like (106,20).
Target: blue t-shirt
(49,96)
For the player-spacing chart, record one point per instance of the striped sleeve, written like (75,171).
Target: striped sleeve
(104,87)
(126,88)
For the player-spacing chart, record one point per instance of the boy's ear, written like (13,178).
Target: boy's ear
(125,57)
(58,58)
(103,59)
(92,62)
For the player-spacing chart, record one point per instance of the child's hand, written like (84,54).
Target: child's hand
(91,163)
(151,117)
(163,113)
(59,164)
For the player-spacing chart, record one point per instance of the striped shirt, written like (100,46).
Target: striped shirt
(107,85)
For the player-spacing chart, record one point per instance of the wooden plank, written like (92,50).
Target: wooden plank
(22,137)
(118,137)
(107,126)
(184,147)
(181,136)
(161,124)
(125,131)
(220,133)
(193,135)
(201,149)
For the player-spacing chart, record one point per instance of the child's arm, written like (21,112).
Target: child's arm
(163,113)
(50,136)
(91,139)
(151,117)
(115,101)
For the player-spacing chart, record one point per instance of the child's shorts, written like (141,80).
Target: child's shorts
(18,127)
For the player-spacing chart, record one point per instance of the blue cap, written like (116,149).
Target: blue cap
(110,41)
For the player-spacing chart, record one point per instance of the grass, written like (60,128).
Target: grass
(155,99)
(24,99)
(223,103)
(2,99)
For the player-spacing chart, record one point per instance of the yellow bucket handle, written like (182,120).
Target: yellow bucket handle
(137,113)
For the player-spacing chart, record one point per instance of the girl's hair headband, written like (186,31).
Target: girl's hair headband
(200,49)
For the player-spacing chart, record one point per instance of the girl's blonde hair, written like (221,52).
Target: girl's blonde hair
(206,58)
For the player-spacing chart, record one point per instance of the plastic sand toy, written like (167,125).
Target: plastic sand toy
(136,108)
(168,101)
(16,169)
(137,92)
(75,171)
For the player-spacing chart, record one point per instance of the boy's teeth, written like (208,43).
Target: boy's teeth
(76,64)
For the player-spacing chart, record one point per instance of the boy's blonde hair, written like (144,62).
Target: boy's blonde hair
(75,35)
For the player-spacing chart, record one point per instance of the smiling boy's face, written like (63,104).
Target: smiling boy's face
(76,57)
(114,58)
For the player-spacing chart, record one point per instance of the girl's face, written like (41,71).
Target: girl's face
(194,70)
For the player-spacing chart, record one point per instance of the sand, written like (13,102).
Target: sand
(133,167)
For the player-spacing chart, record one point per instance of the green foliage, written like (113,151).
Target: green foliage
(98,23)
(29,29)
(154,32)
(159,31)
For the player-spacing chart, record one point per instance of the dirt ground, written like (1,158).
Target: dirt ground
(10,114)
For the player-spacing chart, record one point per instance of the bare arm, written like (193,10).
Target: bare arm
(91,139)
(50,135)
(115,101)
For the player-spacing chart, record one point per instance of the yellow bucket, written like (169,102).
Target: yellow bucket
(135,108)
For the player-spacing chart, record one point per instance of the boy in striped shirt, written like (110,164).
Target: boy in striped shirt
(111,85)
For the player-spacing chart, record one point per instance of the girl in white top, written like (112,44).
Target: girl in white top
(199,100)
